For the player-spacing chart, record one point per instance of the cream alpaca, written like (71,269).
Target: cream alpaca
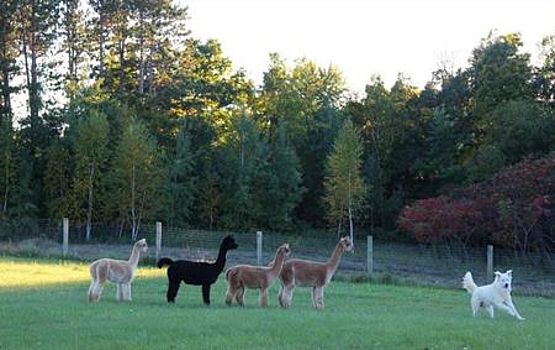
(303,273)
(117,271)
(255,277)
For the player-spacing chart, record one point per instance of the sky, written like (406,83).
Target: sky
(365,37)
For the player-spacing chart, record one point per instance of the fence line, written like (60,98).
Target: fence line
(420,264)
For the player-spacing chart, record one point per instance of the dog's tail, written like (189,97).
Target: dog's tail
(164,262)
(468,283)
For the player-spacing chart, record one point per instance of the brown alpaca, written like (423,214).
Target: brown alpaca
(255,277)
(304,273)
(117,271)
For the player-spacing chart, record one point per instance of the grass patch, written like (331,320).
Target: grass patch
(45,307)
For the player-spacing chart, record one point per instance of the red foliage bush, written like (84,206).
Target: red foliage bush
(512,209)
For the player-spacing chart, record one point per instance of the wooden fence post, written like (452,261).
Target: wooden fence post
(489,268)
(259,247)
(65,244)
(158,239)
(369,256)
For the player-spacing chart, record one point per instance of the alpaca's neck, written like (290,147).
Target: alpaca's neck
(220,262)
(277,264)
(335,258)
(134,258)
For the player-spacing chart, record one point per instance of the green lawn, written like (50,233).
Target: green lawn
(43,305)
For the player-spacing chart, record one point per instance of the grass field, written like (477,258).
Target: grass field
(43,306)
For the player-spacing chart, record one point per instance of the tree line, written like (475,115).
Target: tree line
(128,118)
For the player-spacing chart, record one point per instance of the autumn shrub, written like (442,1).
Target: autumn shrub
(512,209)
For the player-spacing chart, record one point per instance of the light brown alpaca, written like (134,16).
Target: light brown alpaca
(256,277)
(117,271)
(304,273)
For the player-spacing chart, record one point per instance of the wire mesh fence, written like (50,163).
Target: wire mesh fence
(434,265)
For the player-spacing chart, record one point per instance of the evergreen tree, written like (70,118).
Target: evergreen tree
(8,56)
(180,186)
(282,189)
(246,152)
(75,45)
(8,167)
(57,180)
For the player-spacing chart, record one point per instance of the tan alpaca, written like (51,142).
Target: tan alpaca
(304,273)
(255,277)
(117,271)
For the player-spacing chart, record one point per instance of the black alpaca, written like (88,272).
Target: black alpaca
(196,273)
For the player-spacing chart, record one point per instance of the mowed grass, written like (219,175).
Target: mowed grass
(43,305)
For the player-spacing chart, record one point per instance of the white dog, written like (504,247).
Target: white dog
(497,293)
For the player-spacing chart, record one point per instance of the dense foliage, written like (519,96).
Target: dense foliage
(128,118)
(512,209)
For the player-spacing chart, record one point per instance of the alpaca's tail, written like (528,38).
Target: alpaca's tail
(164,262)
(230,272)
(468,283)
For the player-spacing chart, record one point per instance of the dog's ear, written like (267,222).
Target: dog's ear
(510,273)
(497,274)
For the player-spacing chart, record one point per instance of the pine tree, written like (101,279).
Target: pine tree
(283,189)
(246,153)
(180,187)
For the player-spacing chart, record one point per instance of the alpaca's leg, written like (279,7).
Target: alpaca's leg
(173,287)
(97,290)
(126,291)
(281,296)
(98,276)
(99,273)
(285,296)
(129,292)
(206,293)
(264,297)
(314,297)
(230,293)
(119,291)
(318,298)
(240,295)
(91,290)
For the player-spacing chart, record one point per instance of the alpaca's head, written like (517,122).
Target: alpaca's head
(346,244)
(284,250)
(228,243)
(141,245)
